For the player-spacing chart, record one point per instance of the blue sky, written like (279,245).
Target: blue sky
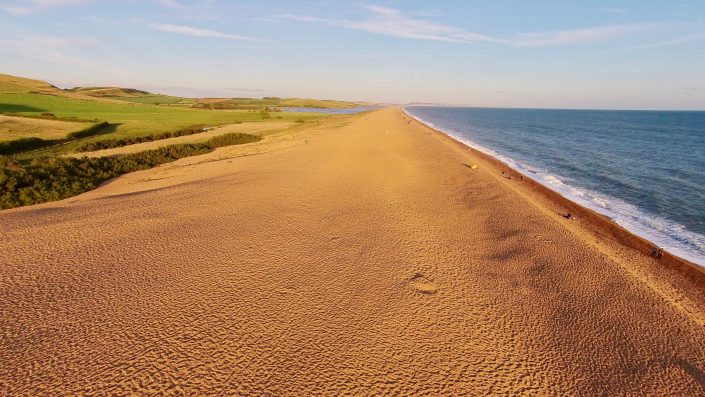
(597,54)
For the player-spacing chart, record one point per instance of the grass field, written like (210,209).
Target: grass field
(257,103)
(132,119)
(23,127)
(42,128)
(153,99)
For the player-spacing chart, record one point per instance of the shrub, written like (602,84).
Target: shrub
(119,142)
(95,129)
(55,178)
(24,144)
(235,138)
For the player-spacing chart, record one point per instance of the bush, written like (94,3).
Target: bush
(235,138)
(55,178)
(25,144)
(119,142)
(95,129)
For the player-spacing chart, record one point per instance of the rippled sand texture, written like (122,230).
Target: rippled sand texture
(368,261)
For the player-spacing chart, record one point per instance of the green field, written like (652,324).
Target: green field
(41,123)
(131,119)
(151,99)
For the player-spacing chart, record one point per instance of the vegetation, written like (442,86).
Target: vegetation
(37,173)
(49,116)
(271,102)
(235,138)
(129,119)
(151,99)
(54,178)
(95,129)
(113,143)
(16,84)
(25,144)
(104,92)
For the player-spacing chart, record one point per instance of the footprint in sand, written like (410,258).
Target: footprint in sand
(422,284)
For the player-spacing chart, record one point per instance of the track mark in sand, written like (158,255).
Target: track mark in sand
(693,371)
(422,284)
(285,290)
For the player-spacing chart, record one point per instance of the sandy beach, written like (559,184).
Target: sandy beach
(365,255)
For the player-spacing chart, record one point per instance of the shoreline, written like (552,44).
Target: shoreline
(595,223)
(365,255)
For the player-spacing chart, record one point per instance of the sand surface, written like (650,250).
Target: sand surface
(361,258)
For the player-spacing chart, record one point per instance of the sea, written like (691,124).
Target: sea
(643,169)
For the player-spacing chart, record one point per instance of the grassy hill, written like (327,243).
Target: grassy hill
(256,103)
(14,84)
(103,92)
(20,85)
(44,128)
(133,112)
(41,123)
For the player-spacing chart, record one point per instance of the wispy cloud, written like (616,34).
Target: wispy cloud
(193,9)
(392,22)
(668,43)
(578,36)
(197,32)
(25,7)
(50,49)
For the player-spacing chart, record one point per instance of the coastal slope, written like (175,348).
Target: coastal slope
(369,257)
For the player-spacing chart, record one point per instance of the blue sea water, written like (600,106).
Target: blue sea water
(643,169)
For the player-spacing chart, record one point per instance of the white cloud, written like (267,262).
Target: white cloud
(196,32)
(56,42)
(578,36)
(392,22)
(667,43)
(17,11)
(50,49)
(30,6)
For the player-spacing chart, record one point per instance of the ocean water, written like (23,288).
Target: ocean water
(643,169)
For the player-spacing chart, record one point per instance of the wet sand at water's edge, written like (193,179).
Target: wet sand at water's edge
(360,258)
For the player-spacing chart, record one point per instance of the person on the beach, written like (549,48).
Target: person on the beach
(657,252)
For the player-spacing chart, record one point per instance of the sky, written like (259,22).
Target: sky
(644,54)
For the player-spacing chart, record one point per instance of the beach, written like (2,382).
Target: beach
(366,255)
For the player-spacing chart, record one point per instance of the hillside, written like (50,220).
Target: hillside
(255,103)
(103,92)
(14,84)
(19,85)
